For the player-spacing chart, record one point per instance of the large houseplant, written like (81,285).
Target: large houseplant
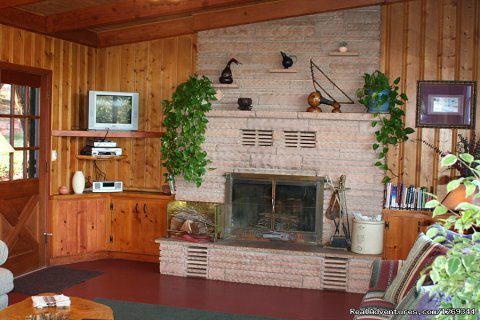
(456,276)
(384,101)
(185,122)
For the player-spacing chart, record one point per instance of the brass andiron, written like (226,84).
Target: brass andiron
(226,76)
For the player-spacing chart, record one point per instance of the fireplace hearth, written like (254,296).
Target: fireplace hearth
(265,207)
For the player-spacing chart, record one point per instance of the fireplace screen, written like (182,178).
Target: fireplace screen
(274,207)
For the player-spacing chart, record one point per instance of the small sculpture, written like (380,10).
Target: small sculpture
(226,76)
(287,61)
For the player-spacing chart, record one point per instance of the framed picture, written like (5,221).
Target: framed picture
(446,104)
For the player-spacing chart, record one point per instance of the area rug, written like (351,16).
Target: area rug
(124,310)
(53,279)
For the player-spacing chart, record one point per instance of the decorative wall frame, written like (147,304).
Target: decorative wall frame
(446,104)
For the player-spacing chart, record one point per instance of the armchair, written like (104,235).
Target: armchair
(6,277)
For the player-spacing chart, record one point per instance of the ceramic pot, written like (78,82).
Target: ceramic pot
(384,108)
(78,182)
(63,190)
(343,49)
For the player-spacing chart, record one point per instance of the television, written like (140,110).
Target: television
(109,110)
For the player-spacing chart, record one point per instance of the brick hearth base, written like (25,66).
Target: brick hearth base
(267,263)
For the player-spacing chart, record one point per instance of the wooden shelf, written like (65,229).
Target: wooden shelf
(100,158)
(338,53)
(282,71)
(225,85)
(111,134)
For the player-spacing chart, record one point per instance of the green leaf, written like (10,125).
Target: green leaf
(432,232)
(432,204)
(439,210)
(468,158)
(448,160)
(468,262)
(420,282)
(452,185)
(439,239)
(453,265)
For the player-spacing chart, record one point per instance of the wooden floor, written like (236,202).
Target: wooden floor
(142,282)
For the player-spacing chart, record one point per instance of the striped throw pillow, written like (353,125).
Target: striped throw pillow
(422,254)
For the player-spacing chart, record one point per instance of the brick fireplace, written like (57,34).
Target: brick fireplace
(296,144)
(279,138)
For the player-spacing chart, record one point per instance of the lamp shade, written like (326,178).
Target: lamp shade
(5,147)
(457,196)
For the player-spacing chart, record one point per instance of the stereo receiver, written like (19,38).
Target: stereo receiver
(107,186)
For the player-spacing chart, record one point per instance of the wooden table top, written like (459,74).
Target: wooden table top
(80,309)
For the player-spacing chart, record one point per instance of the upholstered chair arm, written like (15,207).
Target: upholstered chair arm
(3,252)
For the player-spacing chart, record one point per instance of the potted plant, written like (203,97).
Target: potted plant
(185,122)
(343,46)
(384,101)
(456,276)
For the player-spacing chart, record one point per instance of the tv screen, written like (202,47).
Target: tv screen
(109,110)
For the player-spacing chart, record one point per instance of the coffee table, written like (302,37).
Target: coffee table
(80,309)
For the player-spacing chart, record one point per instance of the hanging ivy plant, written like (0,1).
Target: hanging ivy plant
(185,122)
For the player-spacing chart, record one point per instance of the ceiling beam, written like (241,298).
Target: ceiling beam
(15,3)
(158,30)
(273,10)
(22,19)
(220,18)
(125,11)
(86,37)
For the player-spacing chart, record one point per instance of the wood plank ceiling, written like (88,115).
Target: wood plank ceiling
(103,23)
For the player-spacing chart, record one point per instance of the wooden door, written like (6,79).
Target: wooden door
(401,230)
(136,221)
(150,222)
(78,226)
(122,212)
(25,123)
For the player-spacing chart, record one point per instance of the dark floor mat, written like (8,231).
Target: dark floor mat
(124,310)
(53,279)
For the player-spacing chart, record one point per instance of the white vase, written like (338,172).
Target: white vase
(78,182)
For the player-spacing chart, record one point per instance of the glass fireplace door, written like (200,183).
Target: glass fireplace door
(274,207)
(252,205)
(295,206)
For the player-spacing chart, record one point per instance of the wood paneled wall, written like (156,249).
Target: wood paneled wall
(421,40)
(153,68)
(429,40)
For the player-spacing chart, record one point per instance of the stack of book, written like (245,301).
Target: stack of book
(51,301)
(406,197)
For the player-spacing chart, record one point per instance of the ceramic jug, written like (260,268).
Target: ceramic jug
(287,60)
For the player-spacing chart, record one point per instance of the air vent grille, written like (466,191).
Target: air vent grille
(257,138)
(197,261)
(300,139)
(334,275)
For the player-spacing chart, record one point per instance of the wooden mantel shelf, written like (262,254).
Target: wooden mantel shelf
(111,134)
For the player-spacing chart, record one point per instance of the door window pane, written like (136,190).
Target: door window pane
(4,166)
(18,161)
(5,94)
(20,123)
(33,102)
(18,133)
(32,133)
(32,172)
(20,99)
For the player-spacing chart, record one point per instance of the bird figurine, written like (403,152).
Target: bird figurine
(226,76)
